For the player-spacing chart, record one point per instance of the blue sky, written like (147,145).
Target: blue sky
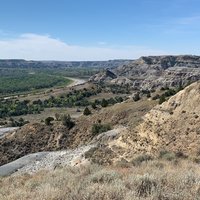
(98,29)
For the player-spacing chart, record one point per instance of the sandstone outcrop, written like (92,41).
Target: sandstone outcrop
(155,71)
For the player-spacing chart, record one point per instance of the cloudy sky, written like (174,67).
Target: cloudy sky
(98,29)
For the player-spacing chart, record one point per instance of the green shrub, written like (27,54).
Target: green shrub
(112,101)
(86,111)
(94,105)
(48,120)
(162,99)
(164,88)
(141,158)
(136,97)
(169,92)
(119,99)
(157,96)
(100,128)
(123,163)
(180,154)
(145,185)
(67,121)
(104,176)
(104,103)
(166,155)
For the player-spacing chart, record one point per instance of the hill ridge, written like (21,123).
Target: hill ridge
(154,72)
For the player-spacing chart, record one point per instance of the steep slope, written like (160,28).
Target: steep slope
(103,76)
(172,126)
(37,137)
(32,138)
(157,71)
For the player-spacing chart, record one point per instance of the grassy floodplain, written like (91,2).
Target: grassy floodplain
(13,81)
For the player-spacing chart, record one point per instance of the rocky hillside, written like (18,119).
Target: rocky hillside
(31,139)
(154,71)
(38,137)
(173,126)
(137,128)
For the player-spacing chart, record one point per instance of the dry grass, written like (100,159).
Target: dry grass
(155,180)
(104,95)
(36,118)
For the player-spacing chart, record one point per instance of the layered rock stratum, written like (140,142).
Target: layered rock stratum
(173,126)
(153,72)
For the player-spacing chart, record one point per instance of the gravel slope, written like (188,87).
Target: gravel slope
(45,161)
(12,167)
(6,130)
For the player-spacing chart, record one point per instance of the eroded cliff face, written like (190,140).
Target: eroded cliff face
(174,125)
(155,71)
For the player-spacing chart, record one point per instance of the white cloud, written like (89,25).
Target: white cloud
(43,47)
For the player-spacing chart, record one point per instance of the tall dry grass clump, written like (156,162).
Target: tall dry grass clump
(152,179)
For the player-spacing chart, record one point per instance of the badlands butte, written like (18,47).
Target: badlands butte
(159,113)
(153,72)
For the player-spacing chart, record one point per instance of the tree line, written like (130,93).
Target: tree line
(14,107)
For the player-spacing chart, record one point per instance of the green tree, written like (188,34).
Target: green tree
(100,128)
(136,97)
(104,103)
(119,99)
(162,99)
(111,101)
(48,120)
(94,105)
(67,121)
(86,111)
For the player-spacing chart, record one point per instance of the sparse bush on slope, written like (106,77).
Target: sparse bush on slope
(140,159)
(48,121)
(67,121)
(149,181)
(100,128)
(86,111)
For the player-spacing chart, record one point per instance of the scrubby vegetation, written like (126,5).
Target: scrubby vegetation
(67,121)
(86,111)
(22,81)
(136,97)
(100,128)
(155,180)
(13,107)
(166,93)
(120,89)
(48,121)
(140,159)
(74,98)
(17,80)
